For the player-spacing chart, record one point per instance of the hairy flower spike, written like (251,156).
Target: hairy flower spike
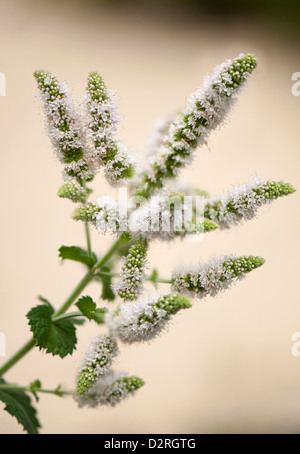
(73,191)
(103,214)
(110,390)
(121,388)
(156,220)
(103,118)
(64,127)
(165,217)
(130,284)
(96,362)
(205,110)
(143,320)
(201,281)
(242,202)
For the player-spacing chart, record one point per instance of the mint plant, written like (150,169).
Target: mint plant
(84,139)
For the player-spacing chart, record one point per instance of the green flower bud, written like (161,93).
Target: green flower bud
(73,191)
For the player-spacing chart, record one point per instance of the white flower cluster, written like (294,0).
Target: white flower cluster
(130,284)
(242,202)
(102,127)
(214,277)
(107,216)
(140,321)
(64,127)
(110,390)
(103,214)
(96,362)
(205,110)
(164,216)
(156,219)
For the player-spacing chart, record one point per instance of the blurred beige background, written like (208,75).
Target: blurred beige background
(226,364)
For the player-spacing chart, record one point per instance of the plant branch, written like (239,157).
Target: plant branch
(68,315)
(17,356)
(88,238)
(76,292)
(57,391)
(160,281)
(109,254)
(87,278)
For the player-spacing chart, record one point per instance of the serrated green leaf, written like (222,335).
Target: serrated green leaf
(45,301)
(88,307)
(58,338)
(78,255)
(18,404)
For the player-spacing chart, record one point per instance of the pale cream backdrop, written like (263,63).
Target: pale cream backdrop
(226,364)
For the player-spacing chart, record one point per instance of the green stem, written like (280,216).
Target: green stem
(87,278)
(106,273)
(86,225)
(109,253)
(88,238)
(68,315)
(161,281)
(76,292)
(56,391)
(65,306)
(17,356)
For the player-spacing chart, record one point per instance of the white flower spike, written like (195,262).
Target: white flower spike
(110,390)
(205,110)
(64,127)
(102,122)
(96,362)
(130,284)
(140,321)
(242,202)
(202,280)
